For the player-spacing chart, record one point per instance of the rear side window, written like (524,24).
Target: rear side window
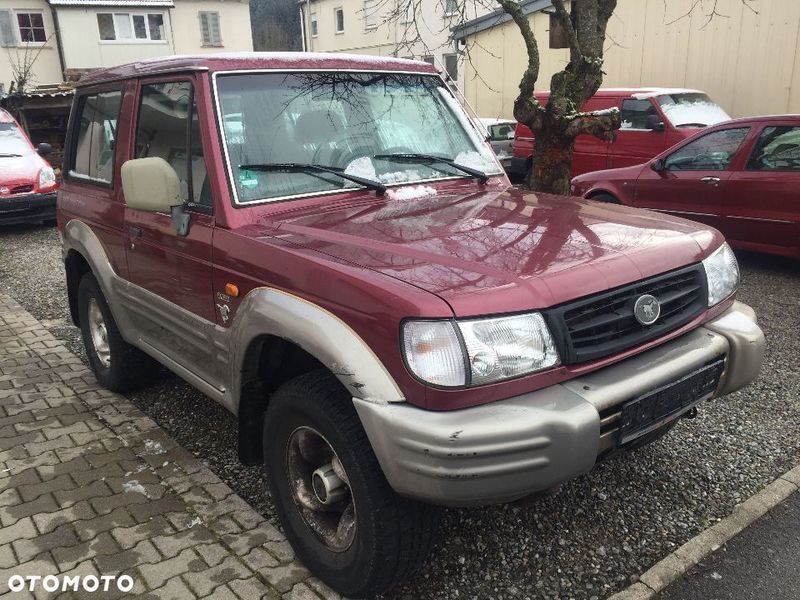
(168,127)
(500,133)
(635,114)
(777,149)
(93,153)
(712,152)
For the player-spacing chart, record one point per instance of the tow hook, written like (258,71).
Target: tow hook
(690,414)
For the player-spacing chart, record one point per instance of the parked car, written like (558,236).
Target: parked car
(653,119)
(500,133)
(741,177)
(27,182)
(394,325)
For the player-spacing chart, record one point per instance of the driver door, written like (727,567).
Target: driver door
(694,179)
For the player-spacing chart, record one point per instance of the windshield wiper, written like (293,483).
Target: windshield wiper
(430,159)
(301,167)
(9,155)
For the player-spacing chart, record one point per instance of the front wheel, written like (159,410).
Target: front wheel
(339,513)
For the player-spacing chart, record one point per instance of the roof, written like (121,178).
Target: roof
(131,3)
(496,18)
(639,93)
(289,61)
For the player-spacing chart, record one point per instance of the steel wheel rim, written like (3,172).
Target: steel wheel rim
(320,488)
(99,333)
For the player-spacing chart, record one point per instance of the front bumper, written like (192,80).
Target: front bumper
(505,450)
(27,208)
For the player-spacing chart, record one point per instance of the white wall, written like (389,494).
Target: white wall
(46,67)
(237,35)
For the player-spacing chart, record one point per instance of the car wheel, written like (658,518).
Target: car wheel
(605,198)
(341,516)
(117,365)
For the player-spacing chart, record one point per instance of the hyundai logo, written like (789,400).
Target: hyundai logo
(647,309)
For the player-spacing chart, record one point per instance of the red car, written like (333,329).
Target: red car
(742,177)
(27,182)
(393,324)
(653,119)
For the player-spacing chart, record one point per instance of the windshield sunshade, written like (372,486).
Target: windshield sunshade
(350,122)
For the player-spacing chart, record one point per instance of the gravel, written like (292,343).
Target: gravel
(593,537)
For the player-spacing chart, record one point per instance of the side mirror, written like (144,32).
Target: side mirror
(152,185)
(659,166)
(44,149)
(655,124)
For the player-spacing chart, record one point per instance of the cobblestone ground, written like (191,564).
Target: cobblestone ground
(89,485)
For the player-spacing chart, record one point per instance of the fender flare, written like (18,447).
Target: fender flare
(326,337)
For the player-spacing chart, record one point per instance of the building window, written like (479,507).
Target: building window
(338,16)
(210,31)
(451,66)
(371,14)
(407,14)
(451,7)
(314,25)
(31,27)
(131,26)
(429,59)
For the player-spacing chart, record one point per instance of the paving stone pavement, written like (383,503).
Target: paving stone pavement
(91,485)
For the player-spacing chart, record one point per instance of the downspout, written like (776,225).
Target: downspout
(308,16)
(59,46)
(303,30)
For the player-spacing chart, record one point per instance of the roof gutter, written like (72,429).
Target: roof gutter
(59,45)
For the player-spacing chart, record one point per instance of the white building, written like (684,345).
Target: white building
(403,28)
(59,35)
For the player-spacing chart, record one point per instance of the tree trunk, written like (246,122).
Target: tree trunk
(551,170)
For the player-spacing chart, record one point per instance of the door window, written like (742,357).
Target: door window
(711,152)
(635,113)
(93,152)
(777,149)
(169,128)
(500,133)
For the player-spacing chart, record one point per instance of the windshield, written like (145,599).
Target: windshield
(692,109)
(12,141)
(343,121)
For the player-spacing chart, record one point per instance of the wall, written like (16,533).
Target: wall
(237,36)
(749,62)
(387,39)
(46,68)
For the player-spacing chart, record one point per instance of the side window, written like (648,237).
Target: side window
(635,113)
(96,122)
(777,149)
(500,133)
(169,128)
(712,152)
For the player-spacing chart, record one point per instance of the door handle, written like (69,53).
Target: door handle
(710,180)
(135,232)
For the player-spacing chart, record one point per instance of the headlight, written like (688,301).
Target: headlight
(722,274)
(47,178)
(487,350)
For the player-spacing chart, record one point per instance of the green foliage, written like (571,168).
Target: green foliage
(276,24)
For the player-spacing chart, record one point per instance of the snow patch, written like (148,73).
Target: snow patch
(134,486)
(400,176)
(361,167)
(153,447)
(473,160)
(411,192)
(683,113)
(193,522)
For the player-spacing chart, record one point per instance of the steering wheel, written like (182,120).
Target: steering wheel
(344,149)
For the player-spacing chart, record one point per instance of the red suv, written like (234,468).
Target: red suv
(27,182)
(741,177)
(653,119)
(393,324)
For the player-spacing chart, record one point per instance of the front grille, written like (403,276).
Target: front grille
(22,189)
(598,326)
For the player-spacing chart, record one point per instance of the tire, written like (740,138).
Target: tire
(605,198)
(117,365)
(391,536)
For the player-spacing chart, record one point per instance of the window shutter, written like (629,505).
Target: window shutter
(216,33)
(210,29)
(7,37)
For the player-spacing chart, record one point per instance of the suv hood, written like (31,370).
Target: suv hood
(499,251)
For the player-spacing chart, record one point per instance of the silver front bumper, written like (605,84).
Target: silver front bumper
(508,449)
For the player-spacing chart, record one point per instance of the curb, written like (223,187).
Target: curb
(671,568)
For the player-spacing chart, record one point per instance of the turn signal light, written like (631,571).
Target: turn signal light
(232,290)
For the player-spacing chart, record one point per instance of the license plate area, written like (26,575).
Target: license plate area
(660,406)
